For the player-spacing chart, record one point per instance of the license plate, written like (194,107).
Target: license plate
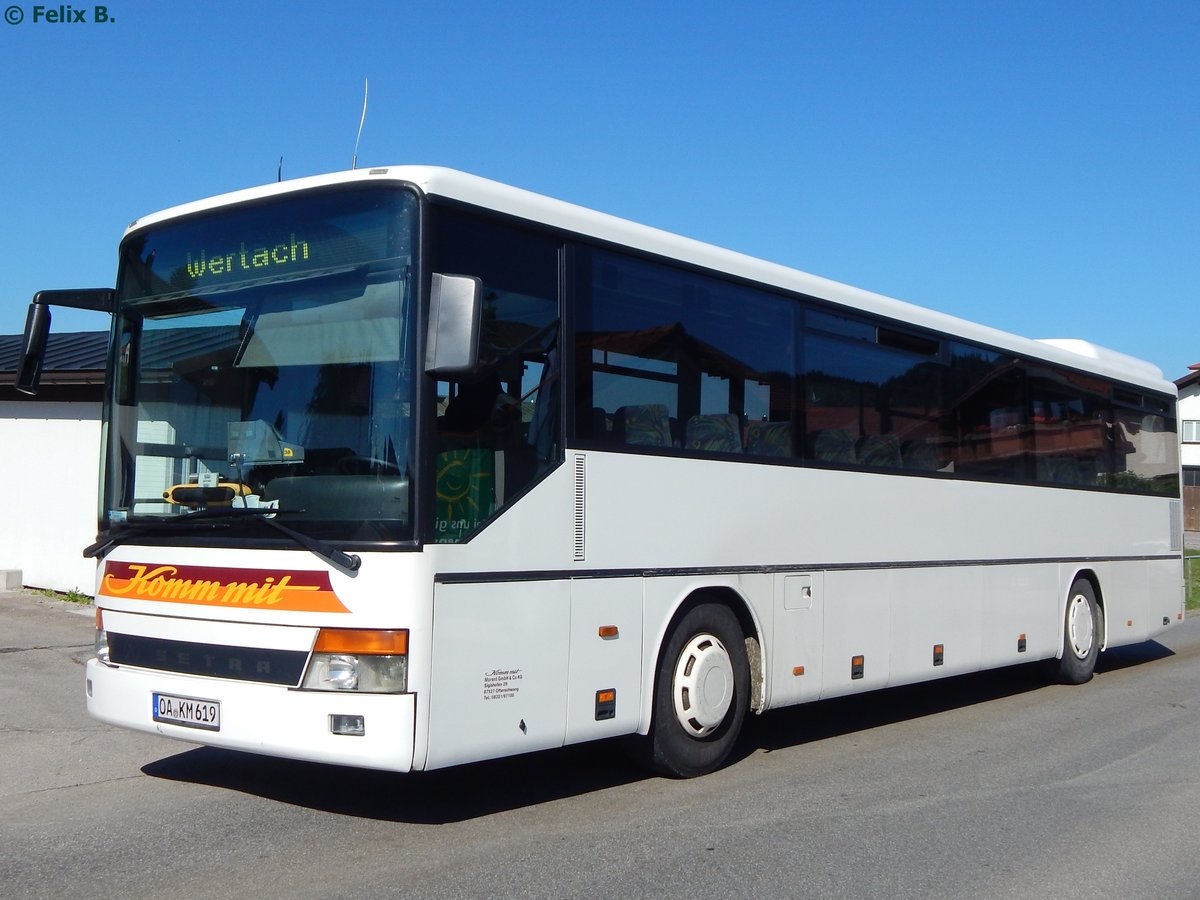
(189,712)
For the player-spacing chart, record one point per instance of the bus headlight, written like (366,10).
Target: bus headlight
(346,659)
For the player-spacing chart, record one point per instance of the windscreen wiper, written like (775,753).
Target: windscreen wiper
(141,530)
(346,563)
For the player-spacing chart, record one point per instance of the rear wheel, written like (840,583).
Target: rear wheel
(1081,636)
(701,693)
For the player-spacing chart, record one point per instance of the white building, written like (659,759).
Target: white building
(50,458)
(1189,435)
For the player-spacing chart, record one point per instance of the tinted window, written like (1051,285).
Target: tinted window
(873,395)
(667,358)
(498,428)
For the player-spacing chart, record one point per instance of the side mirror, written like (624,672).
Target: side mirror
(37,328)
(455,313)
(33,348)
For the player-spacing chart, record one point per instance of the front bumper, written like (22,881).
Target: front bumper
(262,718)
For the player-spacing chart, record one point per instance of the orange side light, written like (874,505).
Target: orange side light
(608,632)
(362,640)
(798,670)
(606,697)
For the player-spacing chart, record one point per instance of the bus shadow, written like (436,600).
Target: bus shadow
(481,789)
(423,798)
(1134,655)
(799,725)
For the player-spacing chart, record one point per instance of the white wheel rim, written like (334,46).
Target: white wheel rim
(1081,626)
(703,685)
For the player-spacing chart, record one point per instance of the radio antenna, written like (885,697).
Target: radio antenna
(279,171)
(354,161)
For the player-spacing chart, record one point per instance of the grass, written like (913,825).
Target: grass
(72,596)
(1191,567)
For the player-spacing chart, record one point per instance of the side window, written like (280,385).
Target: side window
(1069,426)
(1145,445)
(988,420)
(670,359)
(874,395)
(498,429)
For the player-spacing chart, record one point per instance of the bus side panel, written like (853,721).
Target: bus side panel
(935,608)
(858,608)
(602,661)
(1166,599)
(1022,607)
(795,656)
(499,673)
(1123,597)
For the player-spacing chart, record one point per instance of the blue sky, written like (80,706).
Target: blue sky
(1034,166)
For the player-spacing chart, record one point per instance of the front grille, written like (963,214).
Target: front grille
(213,660)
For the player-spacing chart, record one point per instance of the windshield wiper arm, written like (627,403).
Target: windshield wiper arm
(346,563)
(140,530)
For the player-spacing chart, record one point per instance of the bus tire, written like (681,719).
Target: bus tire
(1082,629)
(701,693)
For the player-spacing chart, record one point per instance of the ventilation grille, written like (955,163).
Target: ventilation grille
(1177,525)
(213,660)
(580,485)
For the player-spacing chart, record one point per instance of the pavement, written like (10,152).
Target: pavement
(28,597)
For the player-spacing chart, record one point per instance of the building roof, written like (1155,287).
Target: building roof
(1189,379)
(73,357)
(79,357)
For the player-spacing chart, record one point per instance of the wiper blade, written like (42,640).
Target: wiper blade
(140,530)
(346,563)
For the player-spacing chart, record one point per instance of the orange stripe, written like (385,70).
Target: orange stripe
(302,591)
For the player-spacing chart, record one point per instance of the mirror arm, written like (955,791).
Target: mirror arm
(37,328)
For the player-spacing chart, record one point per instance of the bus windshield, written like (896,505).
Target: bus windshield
(263,359)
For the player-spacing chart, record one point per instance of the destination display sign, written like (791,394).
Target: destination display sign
(255,260)
(267,240)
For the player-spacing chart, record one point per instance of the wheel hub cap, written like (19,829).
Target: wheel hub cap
(1081,626)
(703,685)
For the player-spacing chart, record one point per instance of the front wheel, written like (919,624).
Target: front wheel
(701,693)
(1081,636)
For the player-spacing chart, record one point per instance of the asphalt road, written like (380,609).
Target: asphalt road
(992,785)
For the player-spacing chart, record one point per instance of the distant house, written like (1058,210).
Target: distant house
(1189,435)
(50,460)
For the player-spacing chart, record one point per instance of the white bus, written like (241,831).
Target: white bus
(403,469)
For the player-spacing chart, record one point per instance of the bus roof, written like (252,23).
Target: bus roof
(437,181)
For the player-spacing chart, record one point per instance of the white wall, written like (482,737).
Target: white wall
(1189,408)
(49,465)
